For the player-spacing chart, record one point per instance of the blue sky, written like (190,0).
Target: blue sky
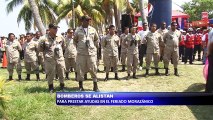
(8,23)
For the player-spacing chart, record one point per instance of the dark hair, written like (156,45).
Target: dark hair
(111,26)
(126,28)
(29,34)
(173,23)
(153,24)
(69,30)
(144,23)
(10,34)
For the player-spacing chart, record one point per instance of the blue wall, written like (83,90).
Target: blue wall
(162,11)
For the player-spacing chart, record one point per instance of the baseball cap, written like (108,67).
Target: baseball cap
(85,17)
(53,25)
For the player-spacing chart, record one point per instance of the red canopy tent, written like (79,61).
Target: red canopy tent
(178,14)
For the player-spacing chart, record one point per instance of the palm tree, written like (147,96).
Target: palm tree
(46,12)
(36,16)
(81,7)
(141,5)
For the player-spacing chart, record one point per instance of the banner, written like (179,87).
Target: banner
(133,98)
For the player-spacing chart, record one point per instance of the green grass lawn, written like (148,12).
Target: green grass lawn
(31,100)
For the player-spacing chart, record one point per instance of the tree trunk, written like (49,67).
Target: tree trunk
(117,17)
(37,17)
(141,5)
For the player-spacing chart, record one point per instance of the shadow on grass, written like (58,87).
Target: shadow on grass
(201,112)
(39,89)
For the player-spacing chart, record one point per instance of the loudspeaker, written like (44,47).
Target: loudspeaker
(127,21)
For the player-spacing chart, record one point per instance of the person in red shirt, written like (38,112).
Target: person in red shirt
(182,46)
(189,46)
(198,44)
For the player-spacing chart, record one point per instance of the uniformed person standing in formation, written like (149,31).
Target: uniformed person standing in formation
(124,48)
(104,54)
(182,46)
(110,44)
(132,41)
(142,46)
(171,41)
(198,44)
(39,54)
(70,53)
(30,48)
(51,46)
(153,41)
(86,40)
(13,48)
(189,46)
(162,31)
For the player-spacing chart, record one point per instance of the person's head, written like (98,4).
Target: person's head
(145,26)
(85,21)
(22,36)
(38,34)
(133,30)
(126,30)
(11,36)
(163,25)
(53,29)
(184,32)
(29,37)
(153,27)
(173,26)
(107,31)
(190,30)
(47,31)
(69,32)
(111,29)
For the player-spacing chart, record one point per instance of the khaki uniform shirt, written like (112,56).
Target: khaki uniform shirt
(153,41)
(70,48)
(123,45)
(111,43)
(86,41)
(30,50)
(12,50)
(51,47)
(172,39)
(132,42)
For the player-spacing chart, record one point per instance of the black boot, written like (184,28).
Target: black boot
(28,77)
(176,72)
(95,88)
(51,89)
(107,77)
(85,76)
(116,76)
(123,68)
(166,71)
(10,78)
(111,69)
(38,77)
(128,77)
(134,76)
(19,77)
(156,71)
(56,77)
(81,86)
(147,73)
(67,76)
(76,76)
(199,58)
(104,68)
(62,87)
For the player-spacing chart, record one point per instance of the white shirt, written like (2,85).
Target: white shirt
(210,36)
(143,34)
